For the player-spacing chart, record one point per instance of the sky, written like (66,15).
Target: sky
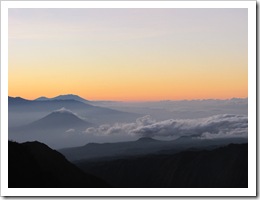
(128,54)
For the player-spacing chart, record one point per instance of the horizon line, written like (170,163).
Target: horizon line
(110,100)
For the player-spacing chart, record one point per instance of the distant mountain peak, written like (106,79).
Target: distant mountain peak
(64,114)
(17,100)
(68,95)
(42,98)
(62,118)
(63,97)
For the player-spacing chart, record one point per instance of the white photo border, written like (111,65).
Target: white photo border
(250,191)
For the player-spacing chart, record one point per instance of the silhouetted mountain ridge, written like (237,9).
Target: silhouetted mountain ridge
(225,167)
(35,165)
(16,100)
(142,146)
(147,139)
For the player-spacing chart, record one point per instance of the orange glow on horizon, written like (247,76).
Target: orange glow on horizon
(132,58)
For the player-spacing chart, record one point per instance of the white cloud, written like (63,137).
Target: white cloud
(210,127)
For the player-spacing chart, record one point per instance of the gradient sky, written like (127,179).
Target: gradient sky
(128,54)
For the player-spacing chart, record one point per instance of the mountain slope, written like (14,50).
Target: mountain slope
(224,167)
(35,165)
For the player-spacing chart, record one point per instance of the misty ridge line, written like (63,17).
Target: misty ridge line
(79,98)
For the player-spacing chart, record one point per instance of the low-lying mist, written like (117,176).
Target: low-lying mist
(72,123)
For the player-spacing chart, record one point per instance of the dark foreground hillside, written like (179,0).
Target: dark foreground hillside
(35,165)
(225,167)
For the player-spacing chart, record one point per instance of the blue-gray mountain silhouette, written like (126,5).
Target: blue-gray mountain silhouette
(60,119)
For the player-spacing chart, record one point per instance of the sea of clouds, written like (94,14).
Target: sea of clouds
(217,126)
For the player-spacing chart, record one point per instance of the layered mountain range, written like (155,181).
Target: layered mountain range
(59,121)
(143,146)
(33,109)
